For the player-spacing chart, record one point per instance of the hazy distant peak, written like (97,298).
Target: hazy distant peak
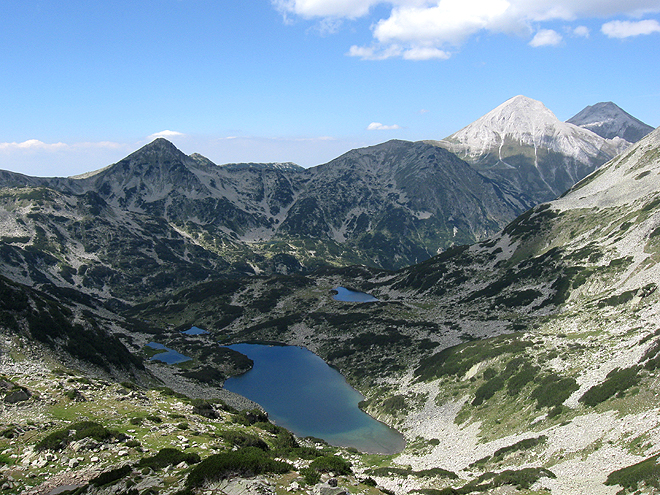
(608,120)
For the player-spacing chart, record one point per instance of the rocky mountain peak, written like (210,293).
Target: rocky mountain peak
(159,157)
(522,107)
(159,145)
(609,121)
(521,120)
(523,143)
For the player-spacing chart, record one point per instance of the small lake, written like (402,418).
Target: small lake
(347,295)
(195,331)
(170,356)
(303,394)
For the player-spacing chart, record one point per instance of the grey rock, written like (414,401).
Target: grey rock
(19,395)
(327,489)
(240,486)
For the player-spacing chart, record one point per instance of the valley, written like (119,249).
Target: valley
(522,358)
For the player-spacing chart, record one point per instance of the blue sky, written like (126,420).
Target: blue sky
(84,83)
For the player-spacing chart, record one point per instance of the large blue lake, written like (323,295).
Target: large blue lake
(303,394)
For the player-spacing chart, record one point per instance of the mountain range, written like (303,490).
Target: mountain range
(522,358)
(159,220)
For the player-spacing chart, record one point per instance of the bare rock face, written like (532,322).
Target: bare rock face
(160,220)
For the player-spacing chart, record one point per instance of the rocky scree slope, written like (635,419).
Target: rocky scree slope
(535,351)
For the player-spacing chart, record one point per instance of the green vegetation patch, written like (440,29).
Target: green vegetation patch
(500,454)
(519,298)
(394,405)
(112,476)
(245,462)
(652,356)
(311,476)
(526,374)
(407,471)
(522,479)
(241,439)
(526,444)
(168,457)
(617,299)
(85,429)
(554,390)
(646,472)
(325,464)
(616,383)
(529,223)
(488,389)
(204,408)
(457,360)
(250,417)
(331,464)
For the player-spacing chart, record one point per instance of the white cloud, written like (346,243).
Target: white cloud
(626,29)
(582,31)
(166,134)
(36,145)
(449,21)
(425,53)
(32,144)
(431,29)
(374,52)
(326,8)
(546,37)
(38,158)
(377,126)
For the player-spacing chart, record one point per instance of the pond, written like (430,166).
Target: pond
(303,394)
(170,356)
(195,331)
(348,295)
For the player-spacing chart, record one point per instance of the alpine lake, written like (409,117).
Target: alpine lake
(302,393)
